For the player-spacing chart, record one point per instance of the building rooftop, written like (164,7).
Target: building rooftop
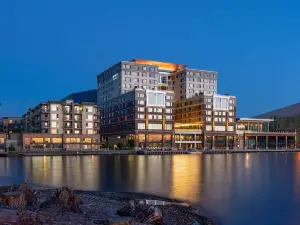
(254,120)
(161,65)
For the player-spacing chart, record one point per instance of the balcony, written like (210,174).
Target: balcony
(67,118)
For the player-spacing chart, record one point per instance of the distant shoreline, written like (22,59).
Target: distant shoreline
(132,152)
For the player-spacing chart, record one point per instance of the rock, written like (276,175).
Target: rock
(101,222)
(153,216)
(14,200)
(67,200)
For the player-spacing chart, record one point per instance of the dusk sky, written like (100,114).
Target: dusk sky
(49,49)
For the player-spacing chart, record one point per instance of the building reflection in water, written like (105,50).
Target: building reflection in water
(297,176)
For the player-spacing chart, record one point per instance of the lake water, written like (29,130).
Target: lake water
(242,189)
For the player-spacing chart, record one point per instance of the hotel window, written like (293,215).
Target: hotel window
(141,126)
(134,73)
(158,110)
(54,116)
(150,109)
(191,85)
(87,140)
(157,99)
(230,120)
(208,119)
(54,107)
(153,69)
(141,95)
(141,116)
(77,132)
(141,102)
(89,125)
(144,81)
(168,127)
(89,109)
(208,106)
(144,75)
(56,140)
(54,124)
(223,119)
(126,66)
(230,128)
(89,117)
(144,68)
(169,97)
(154,126)
(220,128)
(90,132)
(208,113)
(168,103)
(141,109)
(168,117)
(127,79)
(144,87)
(153,81)
(231,107)
(208,128)
(37,140)
(169,110)
(231,114)
(54,131)
(127,73)
(224,113)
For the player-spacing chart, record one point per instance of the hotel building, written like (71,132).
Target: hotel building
(62,125)
(154,75)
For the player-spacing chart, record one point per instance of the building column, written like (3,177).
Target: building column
(276,142)
(173,142)
(195,144)
(234,142)
(245,142)
(204,141)
(295,142)
(267,142)
(179,140)
(146,140)
(286,142)
(256,142)
(213,142)
(163,144)
(226,141)
(136,142)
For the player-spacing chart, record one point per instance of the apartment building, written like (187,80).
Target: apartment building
(153,75)
(58,117)
(138,119)
(205,121)
(11,124)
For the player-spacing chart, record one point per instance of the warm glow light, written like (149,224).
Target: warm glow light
(247,164)
(161,65)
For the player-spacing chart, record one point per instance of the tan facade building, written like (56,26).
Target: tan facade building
(58,117)
(154,75)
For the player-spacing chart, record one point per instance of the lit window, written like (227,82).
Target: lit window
(153,126)
(141,102)
(208,127)
(208,119)
(230,128)
(169,110)
(141,109)
(141,116)
(220,128)
(168,127)
(168,117)
(54,131)
(141,126)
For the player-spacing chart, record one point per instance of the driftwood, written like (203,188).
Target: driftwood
(17,196)
(67,200)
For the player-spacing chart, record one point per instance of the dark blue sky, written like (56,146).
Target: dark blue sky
(49,49)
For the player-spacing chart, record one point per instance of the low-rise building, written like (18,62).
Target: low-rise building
(253,133)
(58,117)
(138,119)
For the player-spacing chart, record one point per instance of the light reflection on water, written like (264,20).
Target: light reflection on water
(236,188)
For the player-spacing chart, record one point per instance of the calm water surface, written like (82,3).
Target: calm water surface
(242,189)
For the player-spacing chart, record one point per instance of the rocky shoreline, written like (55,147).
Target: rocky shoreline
(23,206)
